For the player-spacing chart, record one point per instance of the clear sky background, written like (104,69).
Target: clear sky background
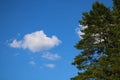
(37,38)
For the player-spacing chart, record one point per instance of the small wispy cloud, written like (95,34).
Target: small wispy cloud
(18,34)
(49,65)
(32,63)
(36,42)
(50,56)
(17,54)
(16,44)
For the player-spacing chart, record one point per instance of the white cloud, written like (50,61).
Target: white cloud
(50,65)
(82,27)
(97,38)
(32,63)
(79,32)
(50,56)
(36,41)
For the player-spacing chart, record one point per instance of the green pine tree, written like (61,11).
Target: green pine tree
(100,46)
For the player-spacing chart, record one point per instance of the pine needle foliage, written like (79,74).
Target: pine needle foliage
(100,45)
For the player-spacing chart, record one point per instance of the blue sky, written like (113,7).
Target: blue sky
(37,38)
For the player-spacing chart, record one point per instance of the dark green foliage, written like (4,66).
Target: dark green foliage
(100,56)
